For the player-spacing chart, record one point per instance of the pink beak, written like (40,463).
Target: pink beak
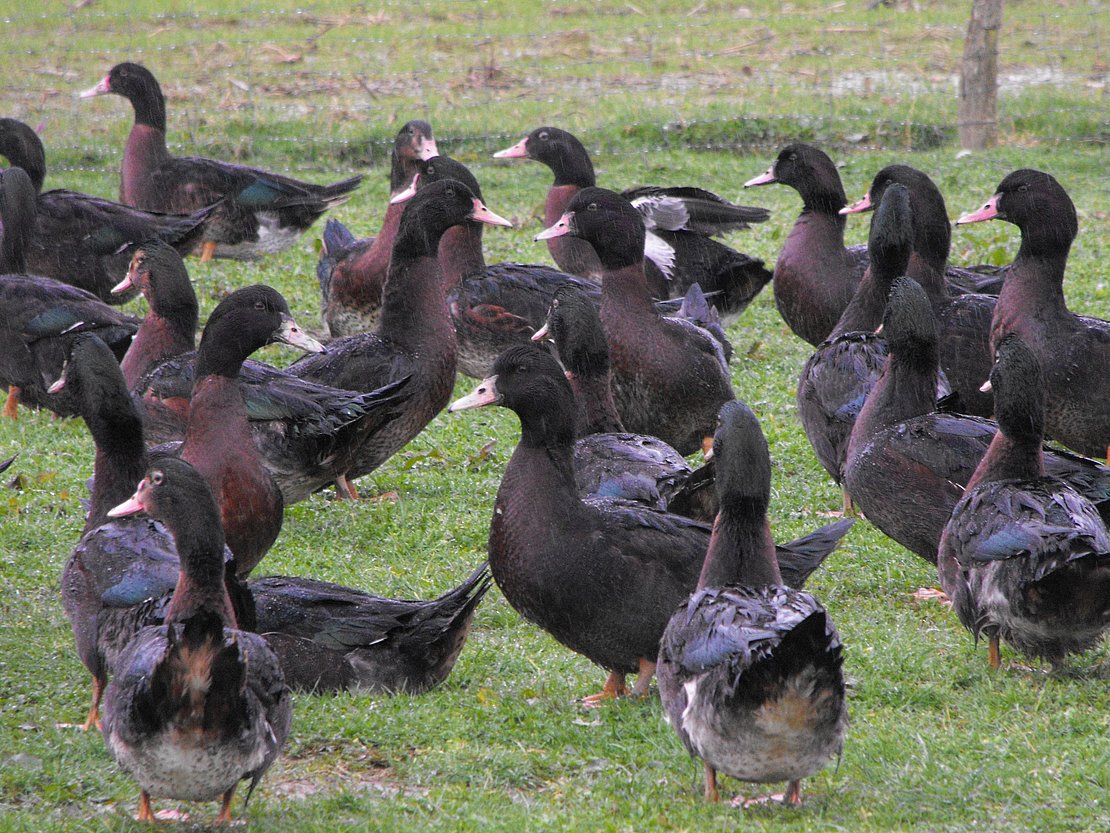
(484,394)
(858,207)
(765,178)
(517,151)
(408,193)
(104,87)
(484,215)
(561,227)
(987,212)
(541,333)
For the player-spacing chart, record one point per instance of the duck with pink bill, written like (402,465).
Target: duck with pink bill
(1073,350)
(352,272)
(415,337)
(670,377)
(680,223)
(964,318)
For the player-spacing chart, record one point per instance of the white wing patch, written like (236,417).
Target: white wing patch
(661,253)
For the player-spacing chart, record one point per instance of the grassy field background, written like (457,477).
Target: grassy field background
(705,93)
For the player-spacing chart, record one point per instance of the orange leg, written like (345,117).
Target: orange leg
(207,250)
(711,793)
(707,447)
(145,812)
(225,808)
(12,405)
(345,489)
(643,679)
(994,657)
(793,793)
(849,507)
(614,688)
(93,718)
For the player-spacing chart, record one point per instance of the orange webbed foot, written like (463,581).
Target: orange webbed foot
(614,688)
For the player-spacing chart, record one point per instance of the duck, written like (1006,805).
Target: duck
(900,437)
(305,432)
(352,272)
(670,377)
(415,337)
(679,221)
(197,705)
(964,319)
(837,377)
(122,572)
(1073,350)
(816,274)
(259,212)
(1025,558)
(332,638)
(751,671)
(82,240)
(42,316)
(492,306)
(218,440)
(601,574)
(157,271)
(609,461)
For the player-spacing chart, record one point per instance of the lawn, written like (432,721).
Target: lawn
(703,93)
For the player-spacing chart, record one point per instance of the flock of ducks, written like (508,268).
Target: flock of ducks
(602,533)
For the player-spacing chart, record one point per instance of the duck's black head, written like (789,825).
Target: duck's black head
(158,271)
(559,150)
(244,321)
(444,167)
(1037,204)
(574,325)
(23,149)
(138,85)
(1018,387)
(608,222)
(527,380)
(414,142)
(890,242)
(932,231)
(435,208)
(17,215)
(909,326)
(173,492)
(810,172)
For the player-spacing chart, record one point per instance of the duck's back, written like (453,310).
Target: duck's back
(752,680)
(187,750)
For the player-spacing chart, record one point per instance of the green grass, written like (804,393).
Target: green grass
(937,742)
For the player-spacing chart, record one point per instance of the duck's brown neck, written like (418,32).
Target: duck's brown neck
(144,151)
(572,254)
(741,549)
(596,413)
(201,587)
(1009,460)
(158,339)
(460,254)
(625,294)
(361,282)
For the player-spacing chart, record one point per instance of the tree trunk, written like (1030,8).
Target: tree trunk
(978,113)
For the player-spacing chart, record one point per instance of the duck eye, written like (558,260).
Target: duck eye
(260,305)
(792,157)
(543,136)
(156,477)
(592,207)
